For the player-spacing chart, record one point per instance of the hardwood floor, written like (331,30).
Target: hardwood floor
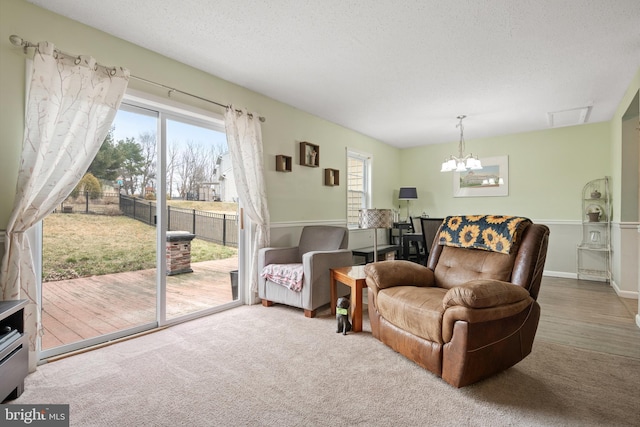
(588,315)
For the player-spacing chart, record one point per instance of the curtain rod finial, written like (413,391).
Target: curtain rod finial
(20,42)
(16,40)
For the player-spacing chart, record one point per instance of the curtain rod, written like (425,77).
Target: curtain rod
(20,42)
(171,89)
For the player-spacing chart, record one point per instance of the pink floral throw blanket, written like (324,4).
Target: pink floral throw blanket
(288,275)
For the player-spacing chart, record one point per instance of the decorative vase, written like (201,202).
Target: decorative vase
(593,216)
(595,194)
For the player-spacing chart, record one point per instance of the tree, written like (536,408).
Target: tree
(90,184)
(131,167)
(148,165)
(106,165)
(172,165)
(186,169)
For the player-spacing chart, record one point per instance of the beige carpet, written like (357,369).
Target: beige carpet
(272,366)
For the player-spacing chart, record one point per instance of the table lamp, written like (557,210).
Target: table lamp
(408,193)
(375,218)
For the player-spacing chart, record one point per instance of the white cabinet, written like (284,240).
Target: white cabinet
(594,251)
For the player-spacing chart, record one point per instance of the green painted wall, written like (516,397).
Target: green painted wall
(547,168)
(296,196)
(547,171)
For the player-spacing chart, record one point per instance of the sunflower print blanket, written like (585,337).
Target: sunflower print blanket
(494,233)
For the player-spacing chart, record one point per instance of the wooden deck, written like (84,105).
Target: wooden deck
(77,309)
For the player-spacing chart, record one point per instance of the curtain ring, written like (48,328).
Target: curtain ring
(55,53)
(113,71)
(77,61)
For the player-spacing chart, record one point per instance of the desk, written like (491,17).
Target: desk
(354,278)
(367,252)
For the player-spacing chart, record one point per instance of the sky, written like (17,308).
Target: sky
(128,124)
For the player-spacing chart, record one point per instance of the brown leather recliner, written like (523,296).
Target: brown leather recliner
(470,313)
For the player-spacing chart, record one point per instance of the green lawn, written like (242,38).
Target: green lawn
(218,207)
(78,245)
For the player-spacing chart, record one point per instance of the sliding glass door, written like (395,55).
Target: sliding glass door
(99,247)
(201,219)
(149,237)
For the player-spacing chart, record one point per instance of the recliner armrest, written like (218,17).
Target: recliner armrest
(484,293)
(387,274)
(488,316)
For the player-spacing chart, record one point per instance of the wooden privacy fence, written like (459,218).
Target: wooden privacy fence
(210,226)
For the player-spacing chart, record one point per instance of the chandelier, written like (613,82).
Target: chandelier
(462,162)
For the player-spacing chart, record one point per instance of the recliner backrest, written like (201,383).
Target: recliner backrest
(323,238)
(523,266)
(456,266)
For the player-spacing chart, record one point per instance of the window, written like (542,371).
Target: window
(358,185)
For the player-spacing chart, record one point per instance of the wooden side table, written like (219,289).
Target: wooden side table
(354,278)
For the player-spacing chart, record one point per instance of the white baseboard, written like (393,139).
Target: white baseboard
(562,274)
(623,294)
(566,275)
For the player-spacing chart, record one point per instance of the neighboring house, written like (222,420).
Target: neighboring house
(208,192)
(224,184)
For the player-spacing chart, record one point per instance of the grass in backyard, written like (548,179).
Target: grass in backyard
(78,245)
(109,205)
(218,207)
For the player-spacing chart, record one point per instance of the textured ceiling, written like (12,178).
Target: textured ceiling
(397,70)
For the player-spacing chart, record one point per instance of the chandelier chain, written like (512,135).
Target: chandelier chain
(461,146)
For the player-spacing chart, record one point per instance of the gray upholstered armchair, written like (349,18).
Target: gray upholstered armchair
(320,249)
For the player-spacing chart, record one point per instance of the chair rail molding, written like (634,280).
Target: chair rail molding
(289,224)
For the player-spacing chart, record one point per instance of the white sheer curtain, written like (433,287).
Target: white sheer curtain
(244,136)
(71,103)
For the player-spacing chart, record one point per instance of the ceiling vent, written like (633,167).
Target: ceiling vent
(570,117)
